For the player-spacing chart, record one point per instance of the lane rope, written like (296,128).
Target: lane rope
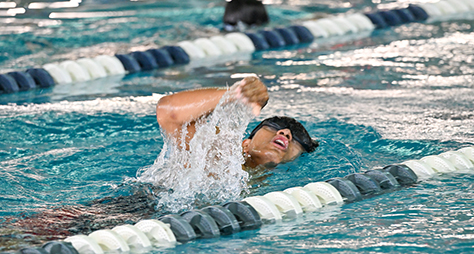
(85,69)
(254,211)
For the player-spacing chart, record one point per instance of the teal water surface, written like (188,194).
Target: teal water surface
(69,154)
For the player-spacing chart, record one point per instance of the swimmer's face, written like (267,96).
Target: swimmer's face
(270,147)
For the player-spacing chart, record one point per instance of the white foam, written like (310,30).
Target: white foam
(211,170)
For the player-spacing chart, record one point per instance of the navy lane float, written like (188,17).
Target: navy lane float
(255,211)
(184,52)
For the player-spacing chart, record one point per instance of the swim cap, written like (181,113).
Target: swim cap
(298,131)
(244,13)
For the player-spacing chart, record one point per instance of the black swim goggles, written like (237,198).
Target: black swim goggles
(298,131)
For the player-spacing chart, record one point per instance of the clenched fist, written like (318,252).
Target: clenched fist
(252,92)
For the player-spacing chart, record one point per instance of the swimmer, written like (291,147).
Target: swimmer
(274,141)
(241,13)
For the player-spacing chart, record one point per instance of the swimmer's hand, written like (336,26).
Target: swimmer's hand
(252,92)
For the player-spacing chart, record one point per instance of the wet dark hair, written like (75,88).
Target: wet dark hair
(298,131)
(250,12)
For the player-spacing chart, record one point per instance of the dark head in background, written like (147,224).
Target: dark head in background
(244,12)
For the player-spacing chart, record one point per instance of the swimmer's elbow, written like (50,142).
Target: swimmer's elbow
(165,115)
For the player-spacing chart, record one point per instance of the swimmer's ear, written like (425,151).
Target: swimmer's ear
(245,145)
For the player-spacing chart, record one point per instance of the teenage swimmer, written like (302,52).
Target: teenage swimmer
(275,140)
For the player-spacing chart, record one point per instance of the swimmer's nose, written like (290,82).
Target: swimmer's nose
(286,133)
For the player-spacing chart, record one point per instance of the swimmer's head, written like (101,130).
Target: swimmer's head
(298,131)
(245,12)
(277,140)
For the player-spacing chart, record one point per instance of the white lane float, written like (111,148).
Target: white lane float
(77,73)
(59,74)
(469,4)
(208,47)
(432,10)
(95,69)
(445,7)
(421,169)
(459,6)
(109,240)
(362,22)
(285,203)
(111,65)
(468,152)
(346,25)
(194,52)
(315,29)
(327,194)
(226,46)
(158,232)
(307,200)
(439,164)
(241,41)
(330,26)
(458,159)
(265,208)
(134,237)
(84,244)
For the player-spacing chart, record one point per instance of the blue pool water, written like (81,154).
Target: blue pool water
(397,94)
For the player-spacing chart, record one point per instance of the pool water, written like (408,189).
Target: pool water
(69,153)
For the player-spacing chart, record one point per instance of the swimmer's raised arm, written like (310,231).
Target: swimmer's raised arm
(175,110)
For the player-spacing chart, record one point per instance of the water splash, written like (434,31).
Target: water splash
(210,171)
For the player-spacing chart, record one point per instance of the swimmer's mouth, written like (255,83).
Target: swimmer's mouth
(280,142)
